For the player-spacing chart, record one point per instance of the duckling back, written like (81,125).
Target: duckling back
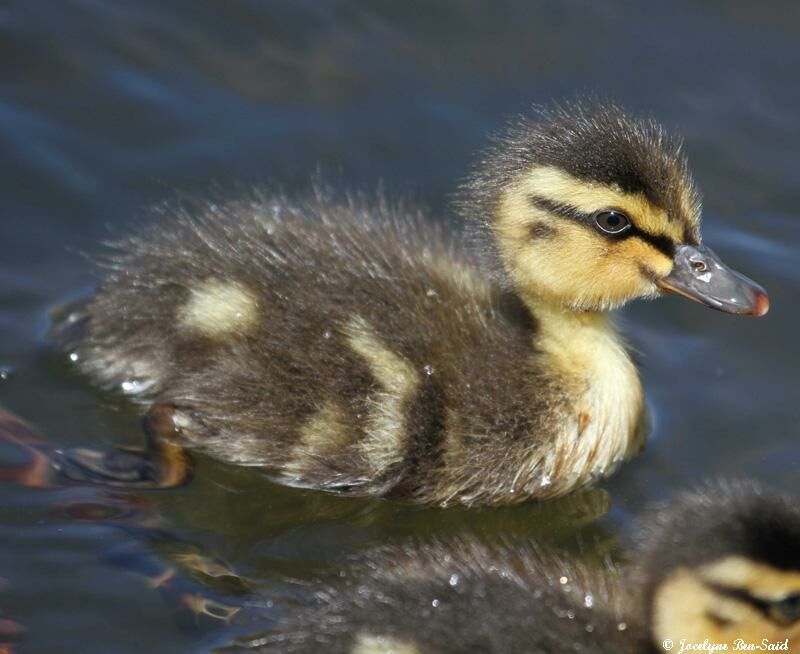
(340,346)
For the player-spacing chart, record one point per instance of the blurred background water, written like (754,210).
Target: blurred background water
(109,107)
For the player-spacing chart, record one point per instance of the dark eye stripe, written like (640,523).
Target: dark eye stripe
(762,606)
(769,609)
(662,243)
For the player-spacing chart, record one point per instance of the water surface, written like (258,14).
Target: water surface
(108,108)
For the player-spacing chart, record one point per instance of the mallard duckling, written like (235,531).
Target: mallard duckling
(720,564)
(352,347)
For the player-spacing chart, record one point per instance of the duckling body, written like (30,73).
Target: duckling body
(362,357)
(718,565)
(352,347)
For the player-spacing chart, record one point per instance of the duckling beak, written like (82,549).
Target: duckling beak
(699,275)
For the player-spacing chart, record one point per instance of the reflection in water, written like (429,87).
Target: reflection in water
(701,566)
(207,595)
(11,631)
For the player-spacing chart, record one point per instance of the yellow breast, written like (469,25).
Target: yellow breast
(604,421)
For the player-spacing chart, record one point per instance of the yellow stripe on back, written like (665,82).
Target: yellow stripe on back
(385,428)
(217,308)
(325,432)
(369,644)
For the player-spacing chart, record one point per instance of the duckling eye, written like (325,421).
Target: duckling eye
(788,608)
(612,222)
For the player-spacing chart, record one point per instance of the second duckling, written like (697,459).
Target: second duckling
(351,347)
(720,566)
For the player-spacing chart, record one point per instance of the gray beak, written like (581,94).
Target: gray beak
(699,275)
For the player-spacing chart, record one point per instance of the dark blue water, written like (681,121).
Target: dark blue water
(109,107)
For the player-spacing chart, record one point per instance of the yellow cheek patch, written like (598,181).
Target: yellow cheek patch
(555,185)
(574,266)
(218,308)
(686,608)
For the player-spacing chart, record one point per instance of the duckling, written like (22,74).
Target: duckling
(351,346)
(721,563)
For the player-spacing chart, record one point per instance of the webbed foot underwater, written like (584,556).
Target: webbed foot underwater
(353,347)
(161,464)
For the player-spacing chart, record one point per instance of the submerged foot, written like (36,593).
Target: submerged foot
(162,464)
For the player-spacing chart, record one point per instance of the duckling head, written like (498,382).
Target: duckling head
(588,208)
(724,565)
